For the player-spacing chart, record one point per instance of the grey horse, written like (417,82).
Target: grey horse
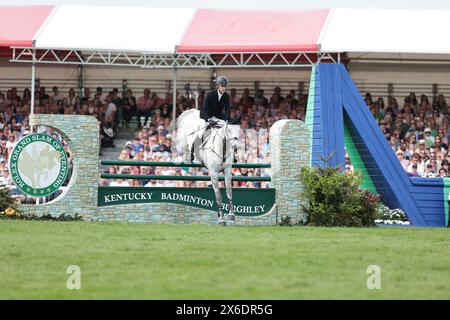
(216,152)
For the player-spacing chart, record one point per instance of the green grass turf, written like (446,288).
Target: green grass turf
(130,261)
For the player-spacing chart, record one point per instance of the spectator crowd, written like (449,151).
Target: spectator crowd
(417,129)
(154,136)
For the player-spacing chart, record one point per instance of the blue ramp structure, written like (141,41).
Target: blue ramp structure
(339,119)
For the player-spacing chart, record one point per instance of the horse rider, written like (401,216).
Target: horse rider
(215,110)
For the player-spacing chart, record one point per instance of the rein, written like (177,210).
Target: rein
(198,130)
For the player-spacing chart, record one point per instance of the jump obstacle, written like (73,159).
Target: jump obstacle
(253,206)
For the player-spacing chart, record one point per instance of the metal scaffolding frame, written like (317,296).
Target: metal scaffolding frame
(176,60)
(83,57)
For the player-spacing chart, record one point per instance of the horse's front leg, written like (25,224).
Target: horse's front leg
(215,184)
(228,185)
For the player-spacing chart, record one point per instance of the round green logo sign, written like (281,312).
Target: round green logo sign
(38,164)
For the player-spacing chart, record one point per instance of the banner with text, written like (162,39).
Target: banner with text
(247,202)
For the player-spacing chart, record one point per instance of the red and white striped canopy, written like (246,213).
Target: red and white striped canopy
(250,31)
(173,30)
(20,25)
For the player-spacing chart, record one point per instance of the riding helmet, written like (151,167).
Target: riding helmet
(222,81)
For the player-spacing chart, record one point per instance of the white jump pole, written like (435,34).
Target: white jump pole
(174,98)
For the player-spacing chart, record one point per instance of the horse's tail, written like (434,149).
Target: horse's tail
(186,124)
(186,116)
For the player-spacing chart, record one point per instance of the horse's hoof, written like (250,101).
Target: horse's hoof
(222,223)
(231,216)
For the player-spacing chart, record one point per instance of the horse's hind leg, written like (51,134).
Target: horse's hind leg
(228,185)
(215,184)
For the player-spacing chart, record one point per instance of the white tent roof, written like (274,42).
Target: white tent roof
(358,32)
(371,30)
(143,29)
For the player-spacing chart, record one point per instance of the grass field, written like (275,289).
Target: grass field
(129,261)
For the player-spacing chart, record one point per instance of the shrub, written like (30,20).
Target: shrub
(9,210)
(286,221)
(47,217)
(10,214)
(390,216)
(335,198)
(8,206)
